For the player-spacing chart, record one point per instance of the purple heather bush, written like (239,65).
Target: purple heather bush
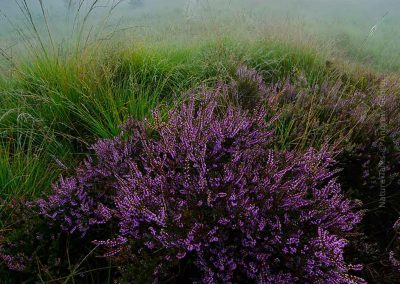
(393,255)
(30,249)
(364,129)
(206,190)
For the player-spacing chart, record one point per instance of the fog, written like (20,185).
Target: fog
(348,25)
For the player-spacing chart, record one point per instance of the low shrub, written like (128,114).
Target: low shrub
(203,196)
(32,251)
(363,129)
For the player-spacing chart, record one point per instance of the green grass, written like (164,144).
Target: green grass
(53,108)
(30,156)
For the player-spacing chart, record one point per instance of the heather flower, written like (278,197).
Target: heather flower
(33,243)
(393,254)
(13,262)
(73,207)
(205,188)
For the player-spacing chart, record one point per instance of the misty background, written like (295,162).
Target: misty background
(364,30)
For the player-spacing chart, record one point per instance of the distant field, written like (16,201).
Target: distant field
(361,31)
